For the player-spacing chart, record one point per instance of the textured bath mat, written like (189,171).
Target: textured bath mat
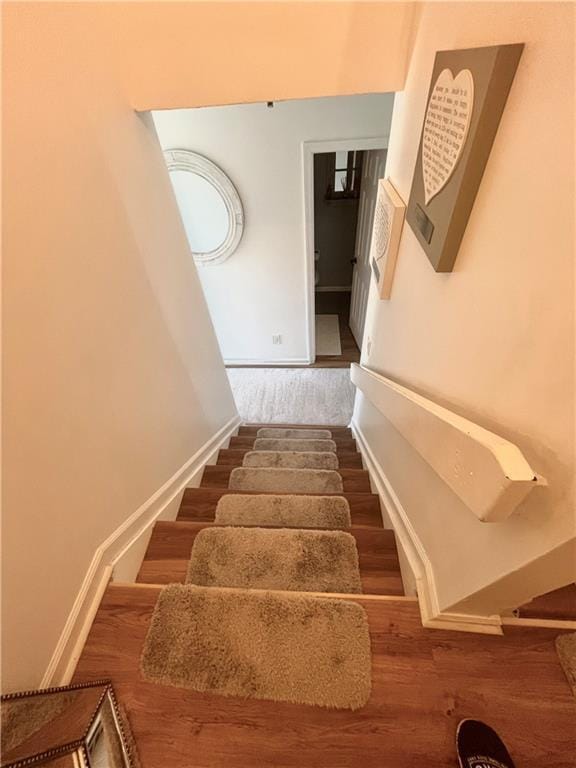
(305,650)
(296,434)
(566,650)
(287,480)
(291,459)
(272,558)
(279,444)
(293,511)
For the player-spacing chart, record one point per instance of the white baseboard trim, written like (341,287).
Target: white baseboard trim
(113,551)
(416,556)
(259,363)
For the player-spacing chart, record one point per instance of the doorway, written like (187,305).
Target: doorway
(341,180)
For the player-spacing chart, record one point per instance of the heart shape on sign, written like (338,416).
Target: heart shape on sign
(446,128)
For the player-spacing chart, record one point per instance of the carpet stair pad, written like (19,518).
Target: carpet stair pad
(296,434)
(275,558)
(285,480)
(291,648)
(291,511)
(291,459)
(283,444)
(566,650)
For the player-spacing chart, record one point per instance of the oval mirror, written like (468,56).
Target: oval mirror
(209,205)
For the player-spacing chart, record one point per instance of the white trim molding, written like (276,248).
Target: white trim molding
(486,471)
(112,556)
(415,554)
(309,149)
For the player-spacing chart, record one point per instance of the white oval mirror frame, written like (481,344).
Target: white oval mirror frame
(192,162)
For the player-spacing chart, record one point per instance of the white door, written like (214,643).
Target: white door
(372,170)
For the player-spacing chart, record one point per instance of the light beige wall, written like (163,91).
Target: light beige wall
(112,373)
(493,340)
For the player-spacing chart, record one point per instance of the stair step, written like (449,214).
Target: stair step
(233,457)
(247,442)
(168,553)
(354,480)
(199,505)
(337,432)
(558,604)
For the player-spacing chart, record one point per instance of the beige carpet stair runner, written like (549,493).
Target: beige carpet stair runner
(299,434)
(270,558)
(291,459)
(283,511)
(234,628)
(261,645)
(285,480)
(293,444)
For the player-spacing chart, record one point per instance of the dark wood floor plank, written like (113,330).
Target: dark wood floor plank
(168,553)
(199,504)
(424,682)
(558,604)
(353,480)
(340,433)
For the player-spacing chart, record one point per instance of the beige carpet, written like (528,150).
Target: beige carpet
(566,649)
(285,480)
(295,434)
(290,511)
(305,650)
(270,444)
(328,335)
(271,558)
(291,459)
(293,395)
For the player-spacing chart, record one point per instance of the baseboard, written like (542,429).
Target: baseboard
(415,555)
(246,362)
(119,556)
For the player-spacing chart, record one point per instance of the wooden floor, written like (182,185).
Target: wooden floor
(424,682)
(337,303)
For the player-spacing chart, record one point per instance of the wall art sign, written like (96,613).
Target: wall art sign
(386,231)
(467,95)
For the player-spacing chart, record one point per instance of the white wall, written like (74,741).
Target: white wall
(112,374)
(493,340)
(260,290)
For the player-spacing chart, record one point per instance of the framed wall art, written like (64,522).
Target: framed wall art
(466,99)
(388,221)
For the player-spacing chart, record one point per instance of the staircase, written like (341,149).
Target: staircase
(423,681)
(167,556)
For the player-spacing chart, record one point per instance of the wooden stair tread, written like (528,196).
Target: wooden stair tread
(353,480)
(337,432)
(558,604)
(199,504)
(168,553)
(247,442)
(233,457)
(424,682)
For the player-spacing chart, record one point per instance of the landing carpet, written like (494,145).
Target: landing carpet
(290,511)
(285,480)
(328,335)
(268,558)
(293,395)
(304,650)
(291,459)
(272,444)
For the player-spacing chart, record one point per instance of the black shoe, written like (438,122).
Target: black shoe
(480,747)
